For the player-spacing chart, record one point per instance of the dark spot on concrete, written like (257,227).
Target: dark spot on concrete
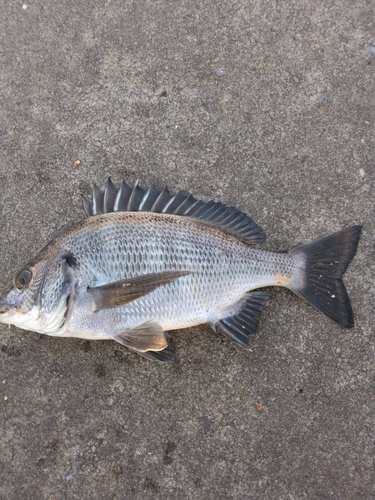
(119,354)
(143,111)
(197,481)
(86,346)
(301,390)
(150,484)
(42,174)
(171,447)
(53,445)
(9,350)
(1,467)
(164,94)
(41,462)
(117,470)
(100,370)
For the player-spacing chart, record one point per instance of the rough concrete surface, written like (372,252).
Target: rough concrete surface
(265,105)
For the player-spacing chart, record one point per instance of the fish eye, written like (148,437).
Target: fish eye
(23,278)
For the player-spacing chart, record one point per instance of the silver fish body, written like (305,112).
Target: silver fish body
(130,244)
(132,275)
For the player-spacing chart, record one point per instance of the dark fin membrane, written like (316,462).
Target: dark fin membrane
(326,260)
(243,324)
(127,199)
(167,355)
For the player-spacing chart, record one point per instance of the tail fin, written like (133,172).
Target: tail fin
(324,263)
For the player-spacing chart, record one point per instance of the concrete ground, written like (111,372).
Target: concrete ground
(268,106)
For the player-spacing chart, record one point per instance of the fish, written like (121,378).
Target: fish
(143,263)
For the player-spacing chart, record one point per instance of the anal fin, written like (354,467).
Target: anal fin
(243,324)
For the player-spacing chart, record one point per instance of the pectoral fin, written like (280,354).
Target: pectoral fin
(148,336)
(124,291)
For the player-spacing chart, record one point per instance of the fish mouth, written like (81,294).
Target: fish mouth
(6,312)
(4,307)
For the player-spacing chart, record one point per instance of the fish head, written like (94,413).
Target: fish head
(40,295)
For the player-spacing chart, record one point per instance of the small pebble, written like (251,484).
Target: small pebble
(370,49)
(119,354)
(69,477)
(219,72)
(24,6)
(361,172)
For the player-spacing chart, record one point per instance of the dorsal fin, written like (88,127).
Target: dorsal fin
(127,199)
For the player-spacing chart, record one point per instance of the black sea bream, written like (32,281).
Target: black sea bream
(143,263)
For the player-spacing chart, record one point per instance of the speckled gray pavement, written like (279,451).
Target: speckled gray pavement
(268,106)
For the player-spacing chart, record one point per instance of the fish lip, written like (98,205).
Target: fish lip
(5,307)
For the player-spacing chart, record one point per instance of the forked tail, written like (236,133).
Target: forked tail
(322,265)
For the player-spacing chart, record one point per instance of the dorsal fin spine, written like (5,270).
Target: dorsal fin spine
(164,194)
(132,196)
(180,210)
(97,200)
